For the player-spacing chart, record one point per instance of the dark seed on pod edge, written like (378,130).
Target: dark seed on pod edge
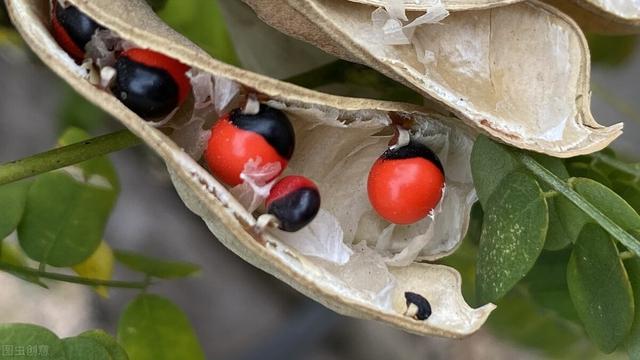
(417,306)
(294,201)
(72,29)
(238,138)
(149,83)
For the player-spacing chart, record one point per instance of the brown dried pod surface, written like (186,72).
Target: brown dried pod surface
(603,16)
(371,267)
(519,73)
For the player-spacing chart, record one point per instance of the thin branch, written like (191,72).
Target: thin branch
(65,156)
(560,186)
(141,285)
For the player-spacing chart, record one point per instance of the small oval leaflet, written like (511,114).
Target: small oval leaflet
(84,348)
(153,328)
(600,288)
(513,235)
(108,342)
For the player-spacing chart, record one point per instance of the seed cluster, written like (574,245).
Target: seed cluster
(405,184)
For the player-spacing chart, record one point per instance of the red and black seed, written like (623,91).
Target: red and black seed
(72,29)
(294,201)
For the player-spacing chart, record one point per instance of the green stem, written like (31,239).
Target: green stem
(557,184)
(65,156)
(72,279)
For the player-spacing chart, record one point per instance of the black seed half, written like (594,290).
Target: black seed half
(297,209)
(424,308)
(272,124)
(79,26)
(412,150)
(149,92)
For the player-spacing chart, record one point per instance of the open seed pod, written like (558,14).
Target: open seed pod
(519,73)
(603,16)
(347,259)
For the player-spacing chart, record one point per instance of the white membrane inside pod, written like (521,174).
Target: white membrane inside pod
(622,8)
(529,90)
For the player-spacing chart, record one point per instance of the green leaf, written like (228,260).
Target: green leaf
(67,210)
(587,171)
(18,340)
(521,320)
(77,111)
(557,238)
(515,225)
(633,341)
(475,224)
(98,266)
(96,168)
(203,23)
(611,50)
(153,328)
(108,342)
(64,218)
(630,193)
(490,164)
(157,4)
(158,268)
(608,202)
(600,289)
(604,199)
(555,165)
(548,286)
(82,348)
(13,198)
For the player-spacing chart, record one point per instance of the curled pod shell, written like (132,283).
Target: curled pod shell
(519,73)
(603,16)
(350,133)
(451,5)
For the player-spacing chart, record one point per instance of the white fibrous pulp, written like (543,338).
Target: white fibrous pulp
(396,28)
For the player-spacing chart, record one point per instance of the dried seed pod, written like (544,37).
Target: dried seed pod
(519,73)
(360,282)
(603,16)
(452,5)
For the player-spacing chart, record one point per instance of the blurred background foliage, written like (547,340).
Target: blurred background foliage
(535,314)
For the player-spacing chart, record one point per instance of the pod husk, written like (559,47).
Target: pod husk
(594,17)
(515,106)
(133,20)
(451,5)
